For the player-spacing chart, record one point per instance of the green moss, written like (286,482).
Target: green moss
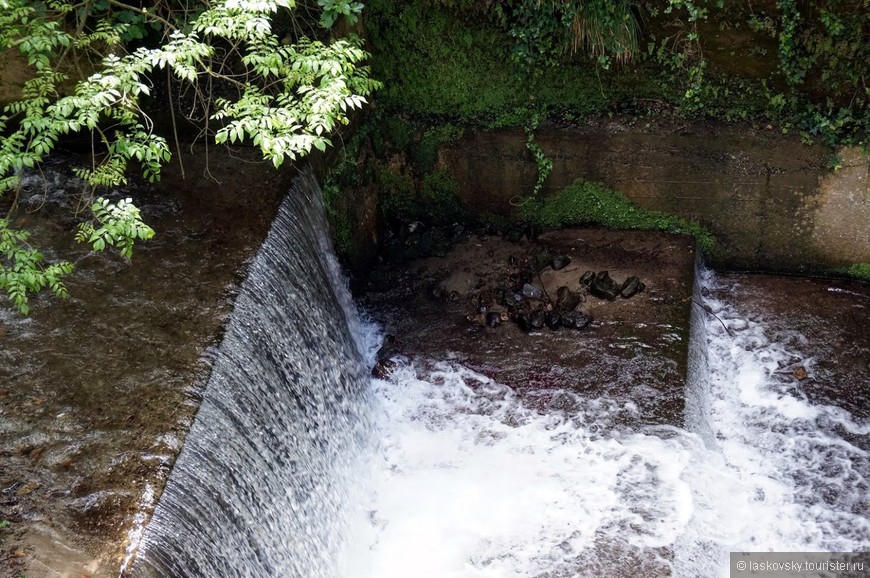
(860,271)
(440,201)
(435,202)
(589,203)
(436,64)
(397,195)
(449,59)
(339,221)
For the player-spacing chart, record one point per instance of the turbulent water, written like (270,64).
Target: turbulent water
(475,482)
(299,466)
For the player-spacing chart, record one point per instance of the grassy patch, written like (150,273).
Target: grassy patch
(590,203)
(860,271)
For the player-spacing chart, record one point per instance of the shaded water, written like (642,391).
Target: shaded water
(298,465)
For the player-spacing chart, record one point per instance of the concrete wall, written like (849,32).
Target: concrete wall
(771,200)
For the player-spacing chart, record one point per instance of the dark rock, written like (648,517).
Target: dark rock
(383,369)
(526,276)
(632,286)
(514,235)
(536,319)
(553,320)
(532,292)
(523,322)
(576,320)
(532,232)
(385,364)
(567,300)
(587,278)
(604,287)
(493,319)
(539,261)
(560,262)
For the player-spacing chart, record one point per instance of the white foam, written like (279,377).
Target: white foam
(474,482)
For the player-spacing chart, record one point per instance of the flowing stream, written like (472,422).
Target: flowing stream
(299,465)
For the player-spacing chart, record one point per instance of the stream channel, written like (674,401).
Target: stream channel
(711,413)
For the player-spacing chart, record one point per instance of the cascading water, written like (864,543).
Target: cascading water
(299,466)
(476,482)
(262,483)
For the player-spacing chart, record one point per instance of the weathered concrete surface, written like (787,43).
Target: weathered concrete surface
(771,200)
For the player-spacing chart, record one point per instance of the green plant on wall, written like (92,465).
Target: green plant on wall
(590,203)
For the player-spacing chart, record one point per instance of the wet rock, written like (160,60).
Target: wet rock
(567,300)
(523,322)
(27,489)
(384,364)
(532,232)
(604,287)
(532,292)
(631,287)
(536,319)
(800,373)
(576,320)
(514,235)
(560,262)
(540,261)
(587,278)
(493,319)
(553,320)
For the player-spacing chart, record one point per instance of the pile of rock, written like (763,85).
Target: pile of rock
(518,299)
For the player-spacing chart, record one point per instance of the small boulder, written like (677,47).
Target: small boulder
(560,262)
(553,320)
(586,278)
(514,235)
(523,322)
(536,319)
(493,319)
(567,300)
(532,292)
(632,286)
(604,287)
(576,320)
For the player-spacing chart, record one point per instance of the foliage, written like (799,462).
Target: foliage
(119,225)
(23,271)
(859,271)
(588,203)
(487,63)
(544,164)
(284,95)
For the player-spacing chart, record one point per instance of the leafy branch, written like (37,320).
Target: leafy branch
(290,97)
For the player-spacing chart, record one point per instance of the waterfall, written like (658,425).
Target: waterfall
(299,465)
(271,454)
